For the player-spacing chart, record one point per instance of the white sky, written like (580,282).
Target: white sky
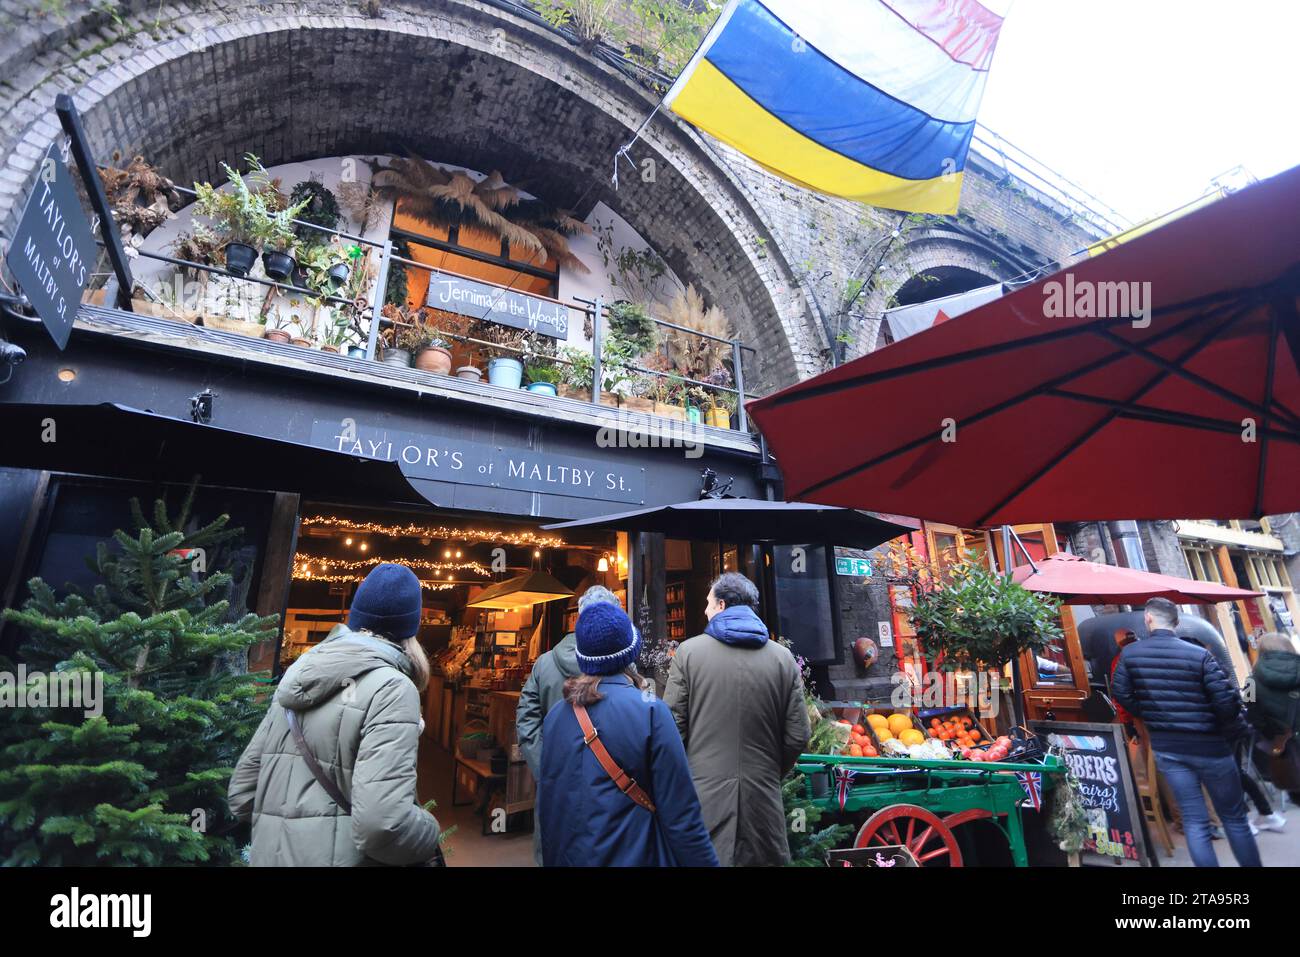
(1142,102)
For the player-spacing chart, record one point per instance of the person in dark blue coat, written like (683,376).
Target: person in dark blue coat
(1193,713)
(586,819)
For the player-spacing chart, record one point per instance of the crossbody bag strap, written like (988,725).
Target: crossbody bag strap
(323,779)
(620,777)
(1280,740)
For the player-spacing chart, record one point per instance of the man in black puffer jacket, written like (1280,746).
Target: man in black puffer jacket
(1193,713)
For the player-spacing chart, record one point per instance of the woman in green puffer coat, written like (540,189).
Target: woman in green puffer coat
(357,699)
(1276,682)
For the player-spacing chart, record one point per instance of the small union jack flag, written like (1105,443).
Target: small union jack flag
(1032,782)
(843,781)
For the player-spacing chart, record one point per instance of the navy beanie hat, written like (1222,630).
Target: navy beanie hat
(607,642)
(388,603)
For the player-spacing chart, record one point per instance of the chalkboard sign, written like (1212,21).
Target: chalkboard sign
(479,300)
(53,251)
(1097,755)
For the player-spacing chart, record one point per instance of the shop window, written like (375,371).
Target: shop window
(473,253)
(81,513)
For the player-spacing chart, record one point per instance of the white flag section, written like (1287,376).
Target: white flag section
(909,320)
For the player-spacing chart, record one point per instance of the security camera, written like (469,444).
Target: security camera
(10,354)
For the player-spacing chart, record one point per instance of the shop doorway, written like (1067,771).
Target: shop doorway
(497,594)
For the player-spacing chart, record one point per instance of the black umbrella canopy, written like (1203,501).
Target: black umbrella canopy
(756,520)
(122,442)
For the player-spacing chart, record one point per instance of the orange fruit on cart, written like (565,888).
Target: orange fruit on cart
(877,721)
(884,734)
(975,734)
(910,736)
(899,723)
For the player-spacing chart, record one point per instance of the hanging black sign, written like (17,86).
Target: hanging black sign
(433,457)
(1097,755)
(480,300)
(53,250)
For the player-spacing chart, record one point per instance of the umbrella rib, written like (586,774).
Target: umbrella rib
(1105,420)
(1274,324)
(799,393)
(1142,352)
(911,444)
(1146,413)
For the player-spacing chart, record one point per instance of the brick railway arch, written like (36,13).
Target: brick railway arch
(936,261)
(459,82)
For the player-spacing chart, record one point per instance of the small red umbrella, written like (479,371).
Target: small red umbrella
(1157,380)
(1080,582)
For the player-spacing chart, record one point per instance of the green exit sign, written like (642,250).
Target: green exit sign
(853,567)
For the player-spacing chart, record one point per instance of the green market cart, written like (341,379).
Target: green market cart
(918,803)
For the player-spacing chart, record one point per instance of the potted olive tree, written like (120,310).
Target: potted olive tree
(970,619)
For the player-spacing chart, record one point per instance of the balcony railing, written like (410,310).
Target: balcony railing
(366,334)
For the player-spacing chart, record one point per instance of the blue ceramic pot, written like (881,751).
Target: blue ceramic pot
(507,373)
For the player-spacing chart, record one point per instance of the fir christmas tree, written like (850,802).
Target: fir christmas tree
(142,781)
(808,844)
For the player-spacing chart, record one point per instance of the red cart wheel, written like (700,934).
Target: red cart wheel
(929,839)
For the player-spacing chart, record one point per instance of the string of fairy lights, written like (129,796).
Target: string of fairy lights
(301,573)
(523,538)
(307,567)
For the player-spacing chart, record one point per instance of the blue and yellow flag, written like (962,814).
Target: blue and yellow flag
(871,100)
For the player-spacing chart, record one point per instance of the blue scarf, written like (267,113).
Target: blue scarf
(738,626)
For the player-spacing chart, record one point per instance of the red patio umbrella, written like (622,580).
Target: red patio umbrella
(1080,582)
(1014,413)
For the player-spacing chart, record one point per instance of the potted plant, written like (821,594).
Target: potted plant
(967,617)
(271,323)
(326,266)
(278,244)
(336,332)
(241,214)
(505,367)
(719,404)
(431,353)
(543,377)
(575,373)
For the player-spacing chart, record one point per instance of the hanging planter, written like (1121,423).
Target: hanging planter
(240,258)
(278,265)
(338,274)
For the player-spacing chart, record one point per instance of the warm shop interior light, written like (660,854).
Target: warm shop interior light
(67,375)
(364,547)
(603,564)
(521,592)
(348,540)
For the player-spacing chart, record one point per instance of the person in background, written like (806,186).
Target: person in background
(1276,680)
(738,701)
(1192,713)
(1123,638)
(544,688)
(356,700)
(615,789)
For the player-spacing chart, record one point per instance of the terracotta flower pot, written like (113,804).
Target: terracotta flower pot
(470,373)
(434,359)
(329,348)
(300,341)
(277,335)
